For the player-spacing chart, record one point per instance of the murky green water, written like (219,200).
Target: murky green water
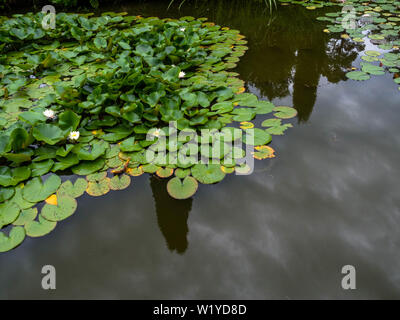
(330,198)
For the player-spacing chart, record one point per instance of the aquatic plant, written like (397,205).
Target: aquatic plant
(376,22)
(81,101)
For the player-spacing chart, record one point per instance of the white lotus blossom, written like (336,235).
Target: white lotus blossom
(50,114)
(74,135)
(182,74)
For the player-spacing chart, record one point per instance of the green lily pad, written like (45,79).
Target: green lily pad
(73,190)
(49,133)
(98,188)
(256,137)
(41,168)
(372,53)
(6,193)
(207,174)
(98,176)
(357,75)
(88,167)
(11,177)
(39,228)
(65,207)
(8,213)
(182,173)
(36,190)
(26,215)
(14,239)
(181,190)
(120,183)
(283,112)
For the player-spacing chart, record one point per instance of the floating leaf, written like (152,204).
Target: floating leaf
(36,190)
(73,190)
(65,207)
(14,239)
(283,112)
(182,173)
(135,172)
(11,177)
(207,174)
(180,190)
(120,182)
(39,228)
(87,167)
(257,137)
(264,152)
(164,172)
(357,75)
(26,215)
(8,213)
(6,193)
(99,188)
(246,125)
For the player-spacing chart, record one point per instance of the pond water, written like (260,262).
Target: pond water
(330,198)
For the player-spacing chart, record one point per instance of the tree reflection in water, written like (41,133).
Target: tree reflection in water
(172,215)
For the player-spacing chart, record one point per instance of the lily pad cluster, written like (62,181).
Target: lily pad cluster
(79,101)
(375,21)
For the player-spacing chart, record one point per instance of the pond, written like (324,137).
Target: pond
(328,199)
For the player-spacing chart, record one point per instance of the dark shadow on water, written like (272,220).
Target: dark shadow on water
(172,216)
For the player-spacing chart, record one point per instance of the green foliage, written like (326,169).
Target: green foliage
(96,96)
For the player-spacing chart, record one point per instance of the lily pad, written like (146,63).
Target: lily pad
(98,188)
(6,193)
(39,228)
(164,172)
(257,137)
(263,152)
(120,182)
(26,215)
(88,167)
(180,190)
(14,239)
(207,174)
(36,190)
(283,112)
(8,213)
(11,177)
(73,190)
(358,75)
(65,207)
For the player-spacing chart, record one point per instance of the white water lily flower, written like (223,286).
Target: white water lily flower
(74,135)
(182,74)
(48,113)
(156,132)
